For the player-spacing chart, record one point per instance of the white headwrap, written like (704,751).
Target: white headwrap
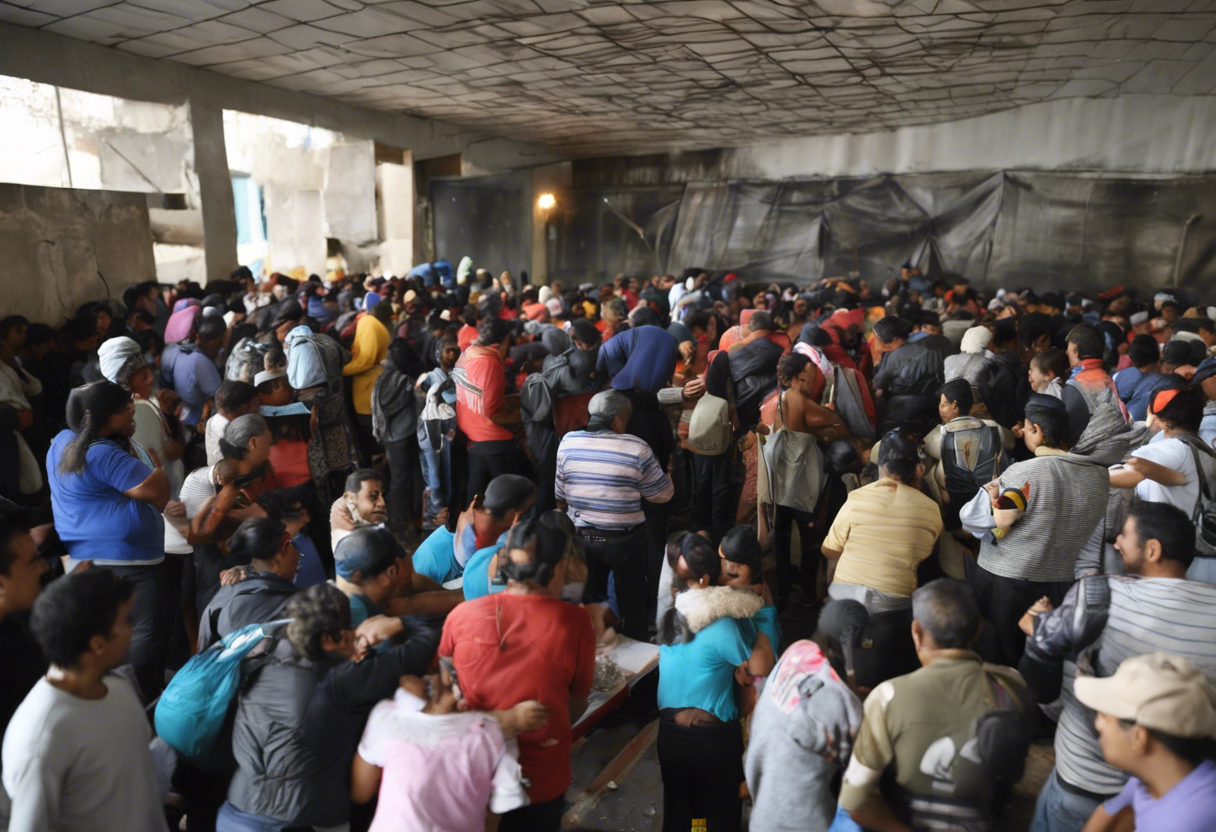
(820,360)
(976,340)
(114,354)
(544,294)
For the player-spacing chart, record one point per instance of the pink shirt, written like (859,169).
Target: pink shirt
(441,773)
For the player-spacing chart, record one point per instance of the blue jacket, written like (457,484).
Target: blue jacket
(639,359)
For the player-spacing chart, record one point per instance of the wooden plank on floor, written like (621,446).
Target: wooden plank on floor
(614,772)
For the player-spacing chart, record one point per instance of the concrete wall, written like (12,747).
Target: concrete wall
(54,241)
(47,58)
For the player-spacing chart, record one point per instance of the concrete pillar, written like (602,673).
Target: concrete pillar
(214,189)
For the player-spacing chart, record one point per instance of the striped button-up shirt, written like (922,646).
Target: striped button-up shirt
(604,476)
(1146,615)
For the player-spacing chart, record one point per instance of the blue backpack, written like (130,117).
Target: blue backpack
(191,712)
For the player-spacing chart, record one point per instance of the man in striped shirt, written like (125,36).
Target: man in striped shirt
(1103,620)
(603,475)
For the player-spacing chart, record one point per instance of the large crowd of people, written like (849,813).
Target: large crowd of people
(351,553)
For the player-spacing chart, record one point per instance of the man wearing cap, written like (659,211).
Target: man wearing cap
(1157,721)
(603,475)
(1066,496)
(1102,621)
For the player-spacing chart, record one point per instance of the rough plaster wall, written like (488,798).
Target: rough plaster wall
(295,230)
(54,241)
(349,193)
(395,215)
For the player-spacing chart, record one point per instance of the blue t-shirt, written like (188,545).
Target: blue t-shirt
(436,557)
(766,622)
(192,375)
(361,609)
(310,572)
(94,518)
(701,673)
(477,571)
(1188,807)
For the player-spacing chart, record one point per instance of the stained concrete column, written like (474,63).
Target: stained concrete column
(215,189)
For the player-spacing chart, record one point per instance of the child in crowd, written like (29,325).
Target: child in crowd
(436,768)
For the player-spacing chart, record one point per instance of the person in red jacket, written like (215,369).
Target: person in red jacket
(483,409)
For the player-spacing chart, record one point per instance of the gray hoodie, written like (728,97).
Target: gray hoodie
(802,733)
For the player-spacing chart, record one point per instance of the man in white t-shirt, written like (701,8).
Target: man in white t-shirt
(1164,470)
(76,753)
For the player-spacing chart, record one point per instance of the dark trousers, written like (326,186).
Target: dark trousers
(623,555)
(887,649)
(152,623)
(783,541)
(536,817)
(714,498)
(368,446)
(402,462)
(702,769)
(1003,602)
(488,460)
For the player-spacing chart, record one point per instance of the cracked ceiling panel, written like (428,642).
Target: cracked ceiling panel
(588,77)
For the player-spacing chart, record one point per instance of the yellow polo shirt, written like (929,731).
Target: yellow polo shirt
(884,530)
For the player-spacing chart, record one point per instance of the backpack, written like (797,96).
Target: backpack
(313,360)
(709,431)
(248,358)
(1204,515)
(191,711)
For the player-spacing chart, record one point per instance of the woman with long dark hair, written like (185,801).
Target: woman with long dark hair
(108,493)
(705,637)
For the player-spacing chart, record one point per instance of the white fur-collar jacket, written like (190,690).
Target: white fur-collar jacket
(702,607)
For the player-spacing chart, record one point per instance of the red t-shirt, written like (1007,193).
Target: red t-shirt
(466,336)
(479,393)
(290,461)
(509,648)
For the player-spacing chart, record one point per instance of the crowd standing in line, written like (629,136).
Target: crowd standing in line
(349,553)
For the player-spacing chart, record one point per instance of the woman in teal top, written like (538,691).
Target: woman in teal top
(740,553)
(706,636)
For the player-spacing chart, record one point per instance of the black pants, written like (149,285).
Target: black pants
(702,769)
(152,620)
(488,460)
(783,541)
(623,554)
(887,649)
(714,499)
(368,446)
(402,462)
(1003,602)
(536,817)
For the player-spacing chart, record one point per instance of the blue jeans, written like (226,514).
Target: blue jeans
(843,822)
(232,819)
(437,474)
(1058,810)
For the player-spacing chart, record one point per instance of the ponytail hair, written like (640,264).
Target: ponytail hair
(702,560)
(89,408)
(545,545)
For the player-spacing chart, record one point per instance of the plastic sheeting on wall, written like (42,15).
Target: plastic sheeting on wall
(995,228)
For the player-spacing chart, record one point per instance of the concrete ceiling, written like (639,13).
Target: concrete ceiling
(612,76)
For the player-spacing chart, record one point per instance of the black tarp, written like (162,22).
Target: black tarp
(997,228)
(488,218)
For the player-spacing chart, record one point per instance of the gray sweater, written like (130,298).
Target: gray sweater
(802,733)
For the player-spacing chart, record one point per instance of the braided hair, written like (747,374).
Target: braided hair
(89,408)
